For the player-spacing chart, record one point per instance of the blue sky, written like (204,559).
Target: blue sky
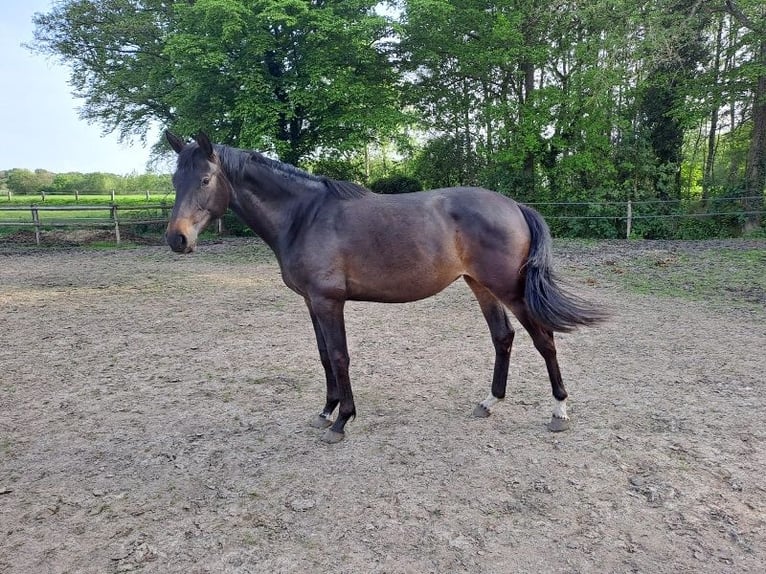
(39,123)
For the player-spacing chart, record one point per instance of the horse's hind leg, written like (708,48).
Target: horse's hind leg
(544,343)
(502,338)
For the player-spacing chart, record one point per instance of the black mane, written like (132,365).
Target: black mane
(234,161)
(345,189)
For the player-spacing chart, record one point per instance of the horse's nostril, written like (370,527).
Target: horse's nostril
(177,242)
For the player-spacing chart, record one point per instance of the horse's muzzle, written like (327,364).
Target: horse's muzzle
(179,243)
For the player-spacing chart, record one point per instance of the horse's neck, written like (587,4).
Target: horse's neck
(266,201)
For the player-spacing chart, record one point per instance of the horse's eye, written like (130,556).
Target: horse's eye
(205,180)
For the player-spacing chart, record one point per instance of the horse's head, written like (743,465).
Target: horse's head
(202,191)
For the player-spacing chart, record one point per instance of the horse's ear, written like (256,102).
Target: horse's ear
(204,142)
(175,142)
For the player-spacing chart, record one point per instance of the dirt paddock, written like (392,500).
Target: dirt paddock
(154,417)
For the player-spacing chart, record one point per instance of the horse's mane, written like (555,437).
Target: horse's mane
(234,162)
(345,189)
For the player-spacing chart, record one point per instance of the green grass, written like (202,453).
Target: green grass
(722,276)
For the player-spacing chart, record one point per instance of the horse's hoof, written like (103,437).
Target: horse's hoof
(332,437)
(558,425)
(320,422)
(481,412)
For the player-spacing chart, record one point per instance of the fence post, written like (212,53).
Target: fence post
(36,220)
(77,195)
(630,219)
(219,226)
(9,194)
(146,193)
(116,223)
(112,196)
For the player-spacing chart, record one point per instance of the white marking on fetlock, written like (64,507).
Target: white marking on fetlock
(560,409)
(490,401)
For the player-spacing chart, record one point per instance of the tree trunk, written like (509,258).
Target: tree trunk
(755,173)
(755,170)
(712,138)
(529,158)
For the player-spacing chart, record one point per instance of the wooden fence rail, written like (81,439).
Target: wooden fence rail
(111,218)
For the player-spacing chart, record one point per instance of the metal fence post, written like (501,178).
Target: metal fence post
(630,219)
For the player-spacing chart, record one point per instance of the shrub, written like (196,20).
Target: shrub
(396,184)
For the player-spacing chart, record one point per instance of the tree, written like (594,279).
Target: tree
(69,183)
(531,90)
(474,67)
(115,49)
(445,162)
(675,49)
(287,76)
(751,16)
(26,182)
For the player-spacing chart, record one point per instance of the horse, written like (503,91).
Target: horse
(336,241)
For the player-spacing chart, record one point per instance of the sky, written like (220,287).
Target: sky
(39,123)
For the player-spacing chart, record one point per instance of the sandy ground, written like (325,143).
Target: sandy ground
(154,410)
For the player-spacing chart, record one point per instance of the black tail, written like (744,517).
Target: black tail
(548,304)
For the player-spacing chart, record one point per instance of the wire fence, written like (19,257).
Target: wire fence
(666,218)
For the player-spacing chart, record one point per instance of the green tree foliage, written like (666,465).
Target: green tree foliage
(447,161)
(287,76)
(661,103)
(115,51)
(24,181)
(534,96)
(587,102)
(749,16)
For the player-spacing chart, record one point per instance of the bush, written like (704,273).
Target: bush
(396,184)
(232,225)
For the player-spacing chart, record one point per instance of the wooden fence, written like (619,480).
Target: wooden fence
(111,218)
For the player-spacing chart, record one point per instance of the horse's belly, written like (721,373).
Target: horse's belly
(399,284)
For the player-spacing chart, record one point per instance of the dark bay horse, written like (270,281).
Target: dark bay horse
(336,241)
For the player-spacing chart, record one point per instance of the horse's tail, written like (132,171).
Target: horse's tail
(548,304)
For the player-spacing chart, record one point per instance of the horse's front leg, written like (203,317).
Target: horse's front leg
(324,419)
(329,324)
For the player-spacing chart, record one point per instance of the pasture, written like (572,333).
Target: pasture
(154,418)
